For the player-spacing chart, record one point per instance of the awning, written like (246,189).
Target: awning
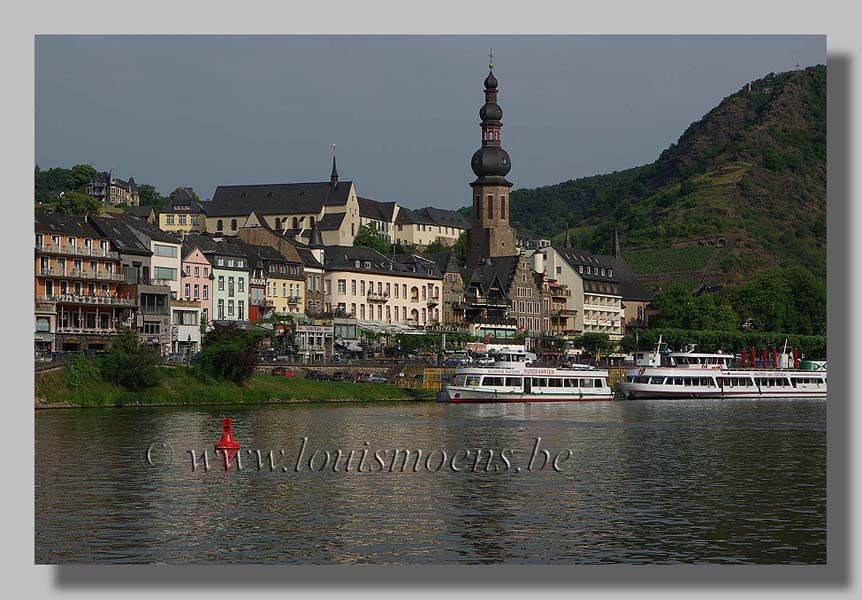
(349,346)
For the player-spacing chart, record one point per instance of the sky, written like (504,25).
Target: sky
(203,111)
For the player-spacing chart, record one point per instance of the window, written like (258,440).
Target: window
(230,308)
(490,206)
(241,284)
(197,271)
(162,250)
(169,219)
(220,309)
(342,286)
(152,328)
(233,224)
(206,272)
(221,283)
(580,268)
(188,290)
(219,227)
(182,219)
(361,288)
(353,287)
(230,288)
(43,324)
(241,310)
(194,219)
(197,291)
(166,273)
(49,288)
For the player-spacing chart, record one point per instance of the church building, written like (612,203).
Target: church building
(502,292)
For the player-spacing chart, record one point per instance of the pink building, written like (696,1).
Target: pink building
(197,280)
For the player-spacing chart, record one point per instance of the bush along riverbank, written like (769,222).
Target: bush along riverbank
(129,374)
(178,386)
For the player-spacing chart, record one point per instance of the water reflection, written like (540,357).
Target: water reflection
(646,481)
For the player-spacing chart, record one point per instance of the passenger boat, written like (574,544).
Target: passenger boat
(510,379)
(691,374)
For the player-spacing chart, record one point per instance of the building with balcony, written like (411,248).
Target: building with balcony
(79,300)
(364,284)
(152,320)
(595,288)
(113,191)
(452,303)
(314,340)
(197,281)
(183,214)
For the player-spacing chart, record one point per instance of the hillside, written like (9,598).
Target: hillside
(743,189)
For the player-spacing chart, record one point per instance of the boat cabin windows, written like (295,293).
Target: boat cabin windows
(469,380)
(513,382)
(492,381)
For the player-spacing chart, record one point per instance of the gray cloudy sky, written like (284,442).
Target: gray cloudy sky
(203,111)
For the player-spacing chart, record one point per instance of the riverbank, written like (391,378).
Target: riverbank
(179,388)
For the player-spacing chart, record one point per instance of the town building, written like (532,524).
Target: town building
(113,191)
(78,301)
(230,270)
(197,283)
(183,214)
(427,225)
(292,208)
(147,213)
(368,286)
(596,290)
(453,289)
(153,299)
(283,264)
(380,216)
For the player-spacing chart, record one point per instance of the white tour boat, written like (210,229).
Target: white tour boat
(510,379)
(691,374)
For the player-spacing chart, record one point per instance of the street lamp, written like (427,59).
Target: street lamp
(189,350)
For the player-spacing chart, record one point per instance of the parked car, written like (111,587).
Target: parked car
(341,376)
(281,372)
(456,361)
(317,375)
(371,378)
(358,378)
(485,361)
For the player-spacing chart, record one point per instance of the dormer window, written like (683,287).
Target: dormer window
(580,268)
(358,263)
(610,272)
(367,264)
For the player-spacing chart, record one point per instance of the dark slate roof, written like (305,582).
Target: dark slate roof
(372,209)
(499,268)
(56,223)
(345,257)
(630,287)
(142,212)
(308,258)
(123,238)
(105,177)
(408,216)
(182,199)
(415,264)
(146,229)
(576,257)
(272,199)
(223,246)
(331,221)
(446,262)
(445,218)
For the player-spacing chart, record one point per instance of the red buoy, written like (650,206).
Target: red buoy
(226,442)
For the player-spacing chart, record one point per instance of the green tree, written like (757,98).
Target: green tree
(75,203)
(149,196)
(129,363)
(460,249)
(436,247)
(229,354)
(368,237)
(81,175)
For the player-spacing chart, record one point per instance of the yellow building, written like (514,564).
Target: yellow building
(183,214)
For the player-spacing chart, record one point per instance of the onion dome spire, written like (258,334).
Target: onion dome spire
(491,163)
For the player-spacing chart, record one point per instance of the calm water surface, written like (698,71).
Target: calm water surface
(647,482)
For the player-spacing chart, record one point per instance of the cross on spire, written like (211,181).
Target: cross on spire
(797,66)
(491,58)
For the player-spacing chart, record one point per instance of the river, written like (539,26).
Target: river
(699,481)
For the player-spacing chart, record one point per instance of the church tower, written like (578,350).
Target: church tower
(490,234)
